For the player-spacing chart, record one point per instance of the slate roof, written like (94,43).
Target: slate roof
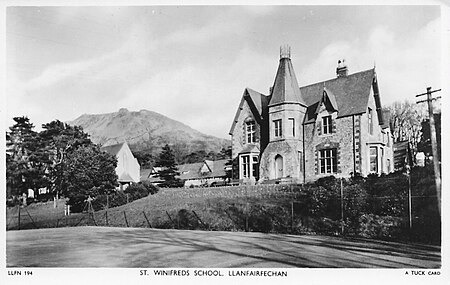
(257,102)
(285,88)
(145,174)
(250,148)
(386,117)
(113,149)
(351,93)
(192,170)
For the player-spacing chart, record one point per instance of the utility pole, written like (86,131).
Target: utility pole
(342,207)
(437,171)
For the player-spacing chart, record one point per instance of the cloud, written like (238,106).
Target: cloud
(129,56)
(405,66)
(204,98)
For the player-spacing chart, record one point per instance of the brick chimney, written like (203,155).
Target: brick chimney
(341,70)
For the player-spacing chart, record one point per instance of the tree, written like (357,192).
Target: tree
(61,139)
(169,170)
(405,122)
(425,139)
(88,172)
(25,158)
(144,158)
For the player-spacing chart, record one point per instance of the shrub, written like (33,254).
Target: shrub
(77,203)
(382,227)
(187,220)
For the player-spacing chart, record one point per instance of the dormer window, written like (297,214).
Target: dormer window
(327,125)
(250,130)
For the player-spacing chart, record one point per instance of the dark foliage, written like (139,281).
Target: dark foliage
(169,169)
(118,198)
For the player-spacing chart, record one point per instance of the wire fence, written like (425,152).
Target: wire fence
(294,209)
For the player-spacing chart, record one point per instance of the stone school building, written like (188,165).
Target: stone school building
(299,134)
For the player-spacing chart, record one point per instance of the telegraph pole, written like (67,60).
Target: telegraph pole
(437,171)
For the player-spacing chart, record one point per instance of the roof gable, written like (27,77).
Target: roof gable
(113,149)
(206,169)
(256,101)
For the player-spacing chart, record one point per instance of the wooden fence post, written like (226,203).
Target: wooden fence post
(292,216)
(125,216)
(170,218)
(199,219)
(19,215)
(145,216)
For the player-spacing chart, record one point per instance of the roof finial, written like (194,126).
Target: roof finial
(285,51)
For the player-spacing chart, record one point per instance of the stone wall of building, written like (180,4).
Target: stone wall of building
(238,138)
(289,145)
(342,138)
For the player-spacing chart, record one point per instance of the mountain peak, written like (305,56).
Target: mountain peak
(145,130)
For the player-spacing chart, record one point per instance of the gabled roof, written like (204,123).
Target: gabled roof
(285,88)
(257,102)
(387,117)
(328,95)
(113,149)
(351,93)
(193,170)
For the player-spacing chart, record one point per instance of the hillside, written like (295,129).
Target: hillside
(145,130)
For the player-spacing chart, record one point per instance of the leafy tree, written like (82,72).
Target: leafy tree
(169,170)
(61,139)
(89,172)
(25,158)
(144,158)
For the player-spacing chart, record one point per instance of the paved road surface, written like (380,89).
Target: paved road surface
(138,247)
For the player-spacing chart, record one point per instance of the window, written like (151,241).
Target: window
(373,159)
(250,131)
(388,140)
(292,124)
(327,125)
(328,160)
(245,166)
(255,166)
(300,159)
(277,128)
(370,119)
(388,165)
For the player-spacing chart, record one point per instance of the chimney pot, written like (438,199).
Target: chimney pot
(341,69)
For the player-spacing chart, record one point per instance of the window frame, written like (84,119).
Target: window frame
(245,166)
(370,120)
(328,161)
(327,125)
(278,129)
(292,124)
(250,131)
(373,158)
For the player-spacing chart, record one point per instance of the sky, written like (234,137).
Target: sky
(192,63)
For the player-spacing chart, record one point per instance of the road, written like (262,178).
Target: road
(138,247)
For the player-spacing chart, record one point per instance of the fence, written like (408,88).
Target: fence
(298,209)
